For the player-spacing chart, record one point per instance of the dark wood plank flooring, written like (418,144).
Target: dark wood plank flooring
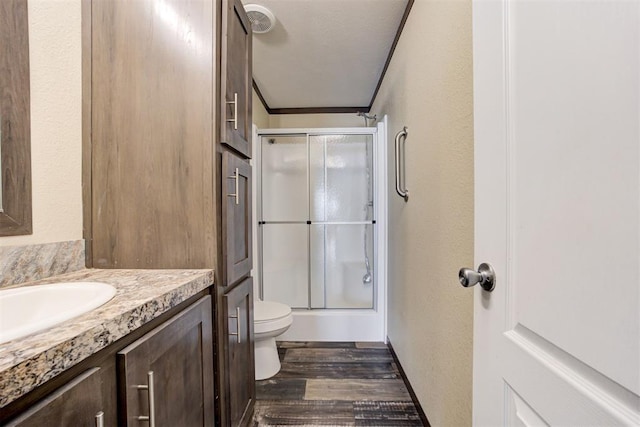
(334,384)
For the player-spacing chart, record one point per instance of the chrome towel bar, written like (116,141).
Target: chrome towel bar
(400,165)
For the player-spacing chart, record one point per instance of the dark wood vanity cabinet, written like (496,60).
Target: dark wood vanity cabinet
(236,78)
(168,361)
(167,129)
(235,293)
(238,347)
(80,402)
(235,286)
(167,375)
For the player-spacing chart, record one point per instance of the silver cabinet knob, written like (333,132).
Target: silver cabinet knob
(485,276)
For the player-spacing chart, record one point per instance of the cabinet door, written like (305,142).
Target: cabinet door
(167,375)
(152,79)
(239,372)
(236,218)
(235,126)
(78,403)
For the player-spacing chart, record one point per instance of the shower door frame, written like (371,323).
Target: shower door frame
(328,324)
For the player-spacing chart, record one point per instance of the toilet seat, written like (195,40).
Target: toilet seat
(270,316)
(264,311)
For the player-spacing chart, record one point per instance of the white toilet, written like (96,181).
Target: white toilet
(270,319)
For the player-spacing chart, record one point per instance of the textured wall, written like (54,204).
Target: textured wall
(428,88)
(56,122)
(259,114)
(315,120)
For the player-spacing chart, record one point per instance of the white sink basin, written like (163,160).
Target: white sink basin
(30,309)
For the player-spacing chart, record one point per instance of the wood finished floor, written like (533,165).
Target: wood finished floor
(334,384)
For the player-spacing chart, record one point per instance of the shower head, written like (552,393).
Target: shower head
(367,117)
(367,278)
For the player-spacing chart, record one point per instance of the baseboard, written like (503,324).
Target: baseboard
(414,398)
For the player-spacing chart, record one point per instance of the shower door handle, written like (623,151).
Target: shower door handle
(400,165)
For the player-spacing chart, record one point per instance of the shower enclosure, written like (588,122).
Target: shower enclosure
(319,222)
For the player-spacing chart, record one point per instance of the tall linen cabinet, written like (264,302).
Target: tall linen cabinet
(166,147)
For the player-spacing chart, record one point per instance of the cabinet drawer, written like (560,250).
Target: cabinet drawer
(167,375)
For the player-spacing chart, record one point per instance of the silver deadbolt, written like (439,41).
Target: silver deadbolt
(485,276)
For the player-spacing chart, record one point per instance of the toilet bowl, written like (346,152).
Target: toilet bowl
(270,319)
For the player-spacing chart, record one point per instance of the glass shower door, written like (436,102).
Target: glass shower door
(338,266)
(341,208)
(285,212)
(317,220)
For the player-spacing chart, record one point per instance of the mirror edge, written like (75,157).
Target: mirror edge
(16,217)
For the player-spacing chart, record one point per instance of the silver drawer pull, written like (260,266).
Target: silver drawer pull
(152,406)
(235,111)
(237,317)
(100,419)
(236,176)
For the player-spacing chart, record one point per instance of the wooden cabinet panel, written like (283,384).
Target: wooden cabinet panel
(236,218)
(240,375)
(152,133)
(179,357)
(158,191)
(77,403)
(236,78)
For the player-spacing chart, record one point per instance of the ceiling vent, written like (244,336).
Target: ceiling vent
(262,19)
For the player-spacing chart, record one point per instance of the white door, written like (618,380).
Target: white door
(557,176)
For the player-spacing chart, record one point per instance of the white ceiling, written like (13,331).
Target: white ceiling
(324,53)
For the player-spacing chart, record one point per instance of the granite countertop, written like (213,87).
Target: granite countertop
(141,296)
